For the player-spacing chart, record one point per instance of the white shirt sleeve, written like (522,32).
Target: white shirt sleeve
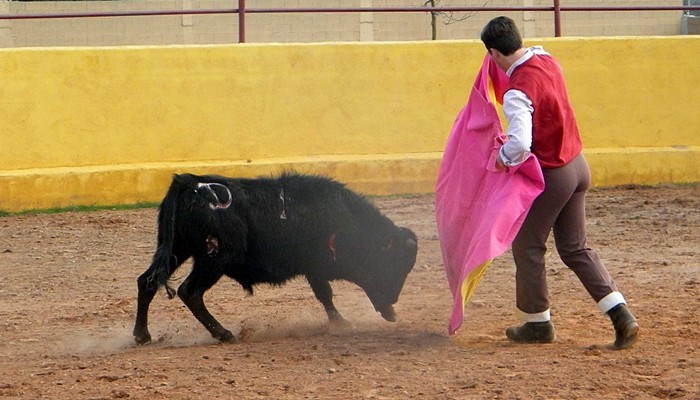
(518,110)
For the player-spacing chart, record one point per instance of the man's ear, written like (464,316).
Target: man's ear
(495,54)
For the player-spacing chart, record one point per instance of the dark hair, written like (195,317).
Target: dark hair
(502,34)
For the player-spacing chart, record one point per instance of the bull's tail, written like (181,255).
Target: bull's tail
(164,261)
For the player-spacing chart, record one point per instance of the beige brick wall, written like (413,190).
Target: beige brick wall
(5,32)
(305,27)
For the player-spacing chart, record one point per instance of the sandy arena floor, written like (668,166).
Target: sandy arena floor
(68,290)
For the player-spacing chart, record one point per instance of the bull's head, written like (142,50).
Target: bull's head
(380,267)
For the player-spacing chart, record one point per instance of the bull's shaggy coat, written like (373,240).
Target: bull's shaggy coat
(269,230)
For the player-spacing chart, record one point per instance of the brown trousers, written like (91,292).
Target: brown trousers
(561,210)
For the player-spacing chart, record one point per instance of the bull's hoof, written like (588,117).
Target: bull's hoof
(142,339)
(340,323)
(389,314)
(390,317)
(225,336)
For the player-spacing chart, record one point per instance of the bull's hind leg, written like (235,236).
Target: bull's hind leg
(324,293)
(204,275)
(148,287)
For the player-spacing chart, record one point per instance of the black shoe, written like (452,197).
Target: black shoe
(626,327)
(532,332)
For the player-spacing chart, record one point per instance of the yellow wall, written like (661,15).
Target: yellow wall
(110,125)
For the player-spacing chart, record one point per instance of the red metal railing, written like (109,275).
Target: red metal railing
(242,10)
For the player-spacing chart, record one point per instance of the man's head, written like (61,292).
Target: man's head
(501,34)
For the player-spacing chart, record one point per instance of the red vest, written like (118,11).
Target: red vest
(555,136)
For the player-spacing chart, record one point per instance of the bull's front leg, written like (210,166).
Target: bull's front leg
(324,293)
(191,292)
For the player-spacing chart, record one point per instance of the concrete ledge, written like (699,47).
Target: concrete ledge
(383,174)
(644,165)
(133,183)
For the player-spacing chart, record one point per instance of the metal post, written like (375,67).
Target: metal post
(557,18)
(241,21)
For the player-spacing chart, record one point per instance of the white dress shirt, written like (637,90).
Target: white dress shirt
(518,110)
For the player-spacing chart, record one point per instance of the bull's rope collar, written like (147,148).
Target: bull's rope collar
(283,214)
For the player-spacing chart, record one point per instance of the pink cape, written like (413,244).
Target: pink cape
(479,210)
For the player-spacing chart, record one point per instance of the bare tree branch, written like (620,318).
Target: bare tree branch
(448,17)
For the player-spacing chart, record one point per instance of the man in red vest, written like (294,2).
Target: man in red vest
(541,121)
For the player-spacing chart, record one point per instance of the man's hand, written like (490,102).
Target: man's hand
(499,165)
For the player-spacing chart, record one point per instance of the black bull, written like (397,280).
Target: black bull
(269,230)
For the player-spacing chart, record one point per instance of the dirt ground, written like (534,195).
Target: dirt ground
(68,290)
